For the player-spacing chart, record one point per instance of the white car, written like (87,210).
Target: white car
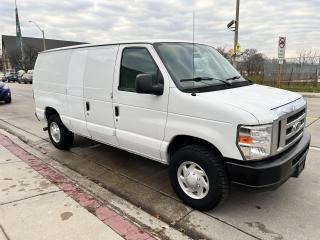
(26,78)
(200,116)
(2,76)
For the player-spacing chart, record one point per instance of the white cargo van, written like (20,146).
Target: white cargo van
(178,103)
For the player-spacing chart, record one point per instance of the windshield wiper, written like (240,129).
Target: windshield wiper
(199,79)
(234,78)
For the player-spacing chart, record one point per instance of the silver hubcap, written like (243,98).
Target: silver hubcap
(193,180)
(55,132)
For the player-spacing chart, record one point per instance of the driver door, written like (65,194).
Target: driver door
(140,119)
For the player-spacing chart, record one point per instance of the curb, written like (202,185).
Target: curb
(310,95)
(115,221)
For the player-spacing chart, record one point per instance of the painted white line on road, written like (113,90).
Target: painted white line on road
(315,148)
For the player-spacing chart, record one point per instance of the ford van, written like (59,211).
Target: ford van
(178,103)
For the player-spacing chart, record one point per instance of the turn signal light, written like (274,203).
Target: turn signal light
(245,140)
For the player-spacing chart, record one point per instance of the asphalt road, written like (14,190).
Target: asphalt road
(290,212)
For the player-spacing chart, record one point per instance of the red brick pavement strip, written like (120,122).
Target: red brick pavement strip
(109,217)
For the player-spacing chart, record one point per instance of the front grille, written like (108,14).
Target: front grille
(294,126)
(288,129)
(295,116)
(293,137)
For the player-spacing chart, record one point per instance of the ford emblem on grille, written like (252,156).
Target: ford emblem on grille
(296,126)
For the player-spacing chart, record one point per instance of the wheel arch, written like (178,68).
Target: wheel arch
(183,140)
(49,111)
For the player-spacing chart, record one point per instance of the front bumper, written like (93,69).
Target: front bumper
(270,173)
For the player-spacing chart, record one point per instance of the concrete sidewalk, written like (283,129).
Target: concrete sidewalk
(36,202)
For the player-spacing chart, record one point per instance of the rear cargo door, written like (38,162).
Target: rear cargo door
(76,113)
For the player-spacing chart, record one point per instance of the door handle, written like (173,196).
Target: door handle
(116,111)
(87,106)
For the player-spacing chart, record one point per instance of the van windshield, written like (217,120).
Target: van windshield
(197,67)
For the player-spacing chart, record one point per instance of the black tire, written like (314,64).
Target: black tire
(214,168)
(8,100)
(66,137)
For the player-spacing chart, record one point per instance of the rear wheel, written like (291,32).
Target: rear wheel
(198,176)
(59,135)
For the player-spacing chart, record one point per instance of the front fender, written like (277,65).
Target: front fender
(220,134)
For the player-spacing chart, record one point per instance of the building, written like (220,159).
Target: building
(1,63)
(9,47)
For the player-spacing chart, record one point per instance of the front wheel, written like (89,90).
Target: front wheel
(8,100)
(198,176)
(59,135)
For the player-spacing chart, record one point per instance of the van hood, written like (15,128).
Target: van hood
(255,99)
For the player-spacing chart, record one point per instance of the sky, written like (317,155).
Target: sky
(101,21)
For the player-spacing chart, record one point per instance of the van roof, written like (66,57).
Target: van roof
(115,43)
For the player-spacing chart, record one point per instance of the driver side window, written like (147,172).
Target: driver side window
(136,61)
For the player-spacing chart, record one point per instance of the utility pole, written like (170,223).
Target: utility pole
(236,34)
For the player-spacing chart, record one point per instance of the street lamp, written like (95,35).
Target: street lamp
(42,31)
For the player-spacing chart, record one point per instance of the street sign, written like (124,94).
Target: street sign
(281,49)
(238,48)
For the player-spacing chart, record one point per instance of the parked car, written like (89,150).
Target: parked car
(205,121)
(2,76)
(11,77)
(5,93)
(26,78)
(19,75)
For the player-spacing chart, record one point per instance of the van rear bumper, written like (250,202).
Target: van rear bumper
(270,173)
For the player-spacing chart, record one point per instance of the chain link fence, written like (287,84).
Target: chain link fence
(300,74)
(294,70)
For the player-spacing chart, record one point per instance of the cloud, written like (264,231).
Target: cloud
(261,22)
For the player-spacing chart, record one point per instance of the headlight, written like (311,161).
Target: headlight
(255,141)
(5,86)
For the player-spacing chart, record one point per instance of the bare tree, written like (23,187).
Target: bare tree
(252,62)
(29,59)
(309,55)
(223,52)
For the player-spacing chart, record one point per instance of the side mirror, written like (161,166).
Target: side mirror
(144,84)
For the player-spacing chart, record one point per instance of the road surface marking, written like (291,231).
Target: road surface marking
(315,148)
